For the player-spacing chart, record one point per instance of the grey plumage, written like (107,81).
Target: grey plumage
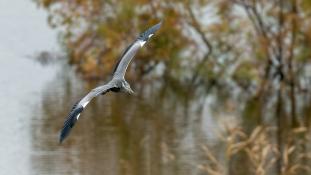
(126,59)
(116,84)
(131,50)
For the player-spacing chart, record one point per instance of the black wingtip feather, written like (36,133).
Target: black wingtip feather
(70,122)
(145,35)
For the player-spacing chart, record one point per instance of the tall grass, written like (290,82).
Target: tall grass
(260,153)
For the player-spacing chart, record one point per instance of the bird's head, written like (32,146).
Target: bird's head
(127,88)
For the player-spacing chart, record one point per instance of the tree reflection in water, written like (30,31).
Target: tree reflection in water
(161,130)
(151,133)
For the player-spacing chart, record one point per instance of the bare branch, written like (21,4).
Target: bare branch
(196,25)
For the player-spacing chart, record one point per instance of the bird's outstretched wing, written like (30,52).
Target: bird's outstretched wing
(79,107)
(130,51)
(118,73)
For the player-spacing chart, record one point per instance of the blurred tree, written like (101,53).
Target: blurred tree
(96,32)
(281,40)
(241,43)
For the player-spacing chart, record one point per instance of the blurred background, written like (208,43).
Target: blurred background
(224,87)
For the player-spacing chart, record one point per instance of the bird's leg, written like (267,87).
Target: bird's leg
(129,90)
(126,87)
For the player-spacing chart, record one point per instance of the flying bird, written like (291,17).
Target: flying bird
(116,84)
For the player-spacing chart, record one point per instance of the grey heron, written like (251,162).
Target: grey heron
(116,84)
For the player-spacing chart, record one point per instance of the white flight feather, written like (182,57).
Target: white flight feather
(78,116)
(141,42)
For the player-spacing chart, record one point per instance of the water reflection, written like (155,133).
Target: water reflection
(159,131)
(153,133)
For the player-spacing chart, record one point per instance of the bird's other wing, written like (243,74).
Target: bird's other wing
(130,51)
(79,107)
(149,32)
